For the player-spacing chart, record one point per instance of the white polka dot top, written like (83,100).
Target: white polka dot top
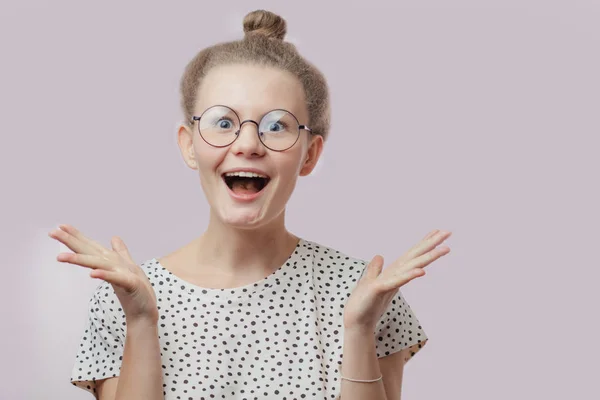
(278,338)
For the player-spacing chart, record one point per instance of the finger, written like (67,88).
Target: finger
(418,262)
(430,234)
(68,240)
(374,268)
(427,258)
(426,245)
(398,280)
(71,230)
(120,247)
(411,252)
(86,260)
(115,277)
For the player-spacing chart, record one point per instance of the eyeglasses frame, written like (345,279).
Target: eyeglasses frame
(258,132)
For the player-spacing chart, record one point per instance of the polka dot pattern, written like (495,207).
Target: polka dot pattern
(278,338)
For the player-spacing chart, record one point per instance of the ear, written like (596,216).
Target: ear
(186,145)
(315,148)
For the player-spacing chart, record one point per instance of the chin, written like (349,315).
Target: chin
(247,217)
(242,221)
(243,218)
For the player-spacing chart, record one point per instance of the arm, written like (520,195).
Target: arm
(360,362)
(141,369)
(392,369)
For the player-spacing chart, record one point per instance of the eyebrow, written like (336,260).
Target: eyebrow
(260,114)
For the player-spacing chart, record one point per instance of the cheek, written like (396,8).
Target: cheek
(293,161)
(289,167)
(208,158)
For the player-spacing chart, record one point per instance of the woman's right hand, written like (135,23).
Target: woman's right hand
(130,283)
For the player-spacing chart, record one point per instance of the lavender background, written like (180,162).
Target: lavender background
(477,117)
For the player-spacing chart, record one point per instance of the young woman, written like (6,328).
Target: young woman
(248,310)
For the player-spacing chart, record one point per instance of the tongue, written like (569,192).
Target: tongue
(244,186)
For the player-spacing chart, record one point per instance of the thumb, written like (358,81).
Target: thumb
(375,267)
(119,246)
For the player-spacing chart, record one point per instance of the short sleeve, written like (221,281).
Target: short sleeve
(100,350)
(398,328)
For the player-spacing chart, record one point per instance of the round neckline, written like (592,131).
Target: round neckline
(239,292)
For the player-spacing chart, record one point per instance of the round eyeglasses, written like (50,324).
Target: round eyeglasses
(220,126)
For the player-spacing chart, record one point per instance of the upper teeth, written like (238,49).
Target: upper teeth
(245,174)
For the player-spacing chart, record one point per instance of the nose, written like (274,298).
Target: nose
(247,142)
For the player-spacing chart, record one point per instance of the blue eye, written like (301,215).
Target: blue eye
(224,124)
(278,124)
(276,127)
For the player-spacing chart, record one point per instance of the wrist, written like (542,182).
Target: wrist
(359,330)
(144,322)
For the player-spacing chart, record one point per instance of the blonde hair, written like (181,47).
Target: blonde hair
(262,44)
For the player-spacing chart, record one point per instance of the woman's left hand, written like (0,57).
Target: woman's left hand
(376,289)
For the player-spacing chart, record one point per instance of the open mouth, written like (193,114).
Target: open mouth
(245,182)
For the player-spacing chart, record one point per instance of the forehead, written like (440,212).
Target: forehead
(251,90)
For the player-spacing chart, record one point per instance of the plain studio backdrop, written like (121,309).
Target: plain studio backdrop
(476,117)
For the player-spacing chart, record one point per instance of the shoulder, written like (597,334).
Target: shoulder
(105,300)
(104,304)
(105,297)
(332,262)
(328,253)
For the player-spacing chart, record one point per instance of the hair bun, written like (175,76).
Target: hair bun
(265,23)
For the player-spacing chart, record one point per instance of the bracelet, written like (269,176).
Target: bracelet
(360,380)
(357,380)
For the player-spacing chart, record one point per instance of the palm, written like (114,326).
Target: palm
(130,283)
(377,288)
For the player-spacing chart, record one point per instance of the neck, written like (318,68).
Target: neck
(244,253)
